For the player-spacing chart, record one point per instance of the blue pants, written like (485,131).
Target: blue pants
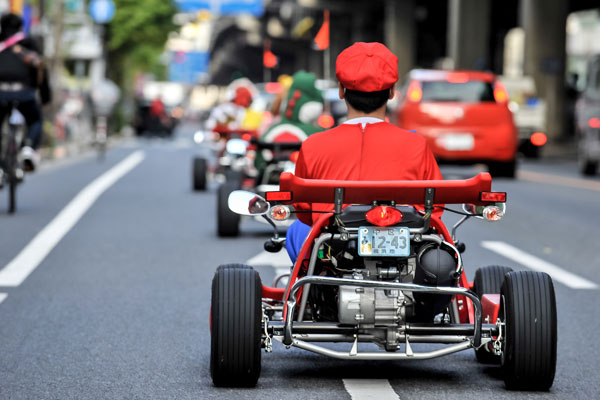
(295,237)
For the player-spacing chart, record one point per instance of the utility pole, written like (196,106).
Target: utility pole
(57,58)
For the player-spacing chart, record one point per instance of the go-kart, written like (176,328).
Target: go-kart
(281,159)
(378,271)
(229,148)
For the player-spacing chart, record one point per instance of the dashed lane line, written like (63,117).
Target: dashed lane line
(537,264)
(279,261)
(370,389)
(577,183)
(2,297)
(16,271)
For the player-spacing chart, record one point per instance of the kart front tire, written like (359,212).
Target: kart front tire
(529,349)
(228,222)
(199,173)
(504,169)
(488,280)
(236,315)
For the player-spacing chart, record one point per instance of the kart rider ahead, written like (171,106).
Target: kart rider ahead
(230,115)
(299,117)
(365,147)
(21,73)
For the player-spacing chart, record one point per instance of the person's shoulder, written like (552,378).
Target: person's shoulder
(404,134)
(326,134)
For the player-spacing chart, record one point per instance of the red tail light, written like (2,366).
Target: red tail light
(457,77)
(414,93)
(594,123)
(538,139)
(294,156)
(278,196)
(500,94)
(326,121)
(383,216)
(273,87)
(246,137)
(495,197)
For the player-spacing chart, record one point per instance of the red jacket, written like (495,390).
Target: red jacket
(379,152)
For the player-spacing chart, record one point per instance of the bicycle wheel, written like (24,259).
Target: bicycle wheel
(11,169)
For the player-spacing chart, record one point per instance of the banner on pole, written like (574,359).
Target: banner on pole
(322,38)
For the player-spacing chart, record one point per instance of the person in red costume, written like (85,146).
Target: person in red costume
(365,147)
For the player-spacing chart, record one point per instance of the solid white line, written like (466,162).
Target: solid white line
(15,272)
(370,389)
(537,264)
(2,297)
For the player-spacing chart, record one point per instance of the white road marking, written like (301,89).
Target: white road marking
(370,389)
(16,271)
(537,264)
(2,297)
(279,260)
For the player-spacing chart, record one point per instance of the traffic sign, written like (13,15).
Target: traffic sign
(102,11)
(223,7)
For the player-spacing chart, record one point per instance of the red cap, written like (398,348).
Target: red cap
(367,67)
(243,97)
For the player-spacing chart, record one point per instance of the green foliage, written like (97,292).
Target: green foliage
(137,36)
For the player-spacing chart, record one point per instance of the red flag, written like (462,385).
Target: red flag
(269,59)
(322,38)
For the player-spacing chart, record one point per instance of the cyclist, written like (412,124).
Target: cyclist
(21,74)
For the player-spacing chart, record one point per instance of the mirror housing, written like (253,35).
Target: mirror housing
(247,203)
(236,147)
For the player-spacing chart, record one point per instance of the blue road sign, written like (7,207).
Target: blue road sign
(102,11)
(224,7)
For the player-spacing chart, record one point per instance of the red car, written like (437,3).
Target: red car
(464,116)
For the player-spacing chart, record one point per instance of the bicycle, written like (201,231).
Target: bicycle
(101,137)
(10,173)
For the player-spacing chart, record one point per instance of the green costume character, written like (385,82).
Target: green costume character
(303,107)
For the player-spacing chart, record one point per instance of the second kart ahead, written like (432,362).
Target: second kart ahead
(376,272)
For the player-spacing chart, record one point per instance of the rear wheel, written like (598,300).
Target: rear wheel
(505,169)
(587,167)
(199,173)
(528,310)
(11,169)
(236,315)
(488,280)
(228,222)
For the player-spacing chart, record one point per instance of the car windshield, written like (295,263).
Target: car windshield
(469,92)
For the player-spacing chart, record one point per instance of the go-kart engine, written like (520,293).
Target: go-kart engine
(369,306)
(380,307)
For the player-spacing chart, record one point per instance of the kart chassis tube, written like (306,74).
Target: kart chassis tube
(322,280)
(415,232)
(382,356)
(415,330)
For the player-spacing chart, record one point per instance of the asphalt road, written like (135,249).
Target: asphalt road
(118,308)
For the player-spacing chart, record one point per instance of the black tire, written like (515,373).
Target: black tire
(235,331)
(588,168)
(505,169)
(234,177)
(529,349)
(488,280)
(228,222)
(11,169)
(12,194)
(199,173)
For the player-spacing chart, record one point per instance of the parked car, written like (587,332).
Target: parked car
(587,121)
(464,116)
(529,113)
